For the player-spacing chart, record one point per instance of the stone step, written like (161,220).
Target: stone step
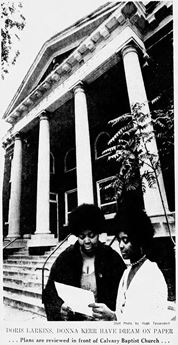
(22,279)
(18,243)
(21,252)
(16,249)
(17,282)
(25,275)
(29,269)
(19,268)
(25,253)
(12,251)
(23,302)
(23,249)
(63,246)
(19,315)
(28,262)
(29,292)
(27,257)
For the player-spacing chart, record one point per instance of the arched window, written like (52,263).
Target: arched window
(101,144)
(52,163)
(106,196)
(55,66)
(70,160)
(70,202)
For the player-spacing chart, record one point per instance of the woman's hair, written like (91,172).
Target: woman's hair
(136,224)
(86,217)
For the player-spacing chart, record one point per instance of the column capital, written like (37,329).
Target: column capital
(17,136)
(13,138)
(78,87)
(44,115)
(129,48)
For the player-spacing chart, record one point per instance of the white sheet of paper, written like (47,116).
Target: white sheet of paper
(77,299)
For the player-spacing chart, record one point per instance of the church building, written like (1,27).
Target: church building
(83,77)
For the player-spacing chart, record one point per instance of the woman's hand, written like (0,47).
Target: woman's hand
(66,312)
(102,312)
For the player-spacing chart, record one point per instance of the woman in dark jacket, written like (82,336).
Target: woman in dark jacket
(87,264)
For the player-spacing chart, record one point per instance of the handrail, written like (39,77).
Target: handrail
(8,244)
(43,267)
(112,241)
(171,213)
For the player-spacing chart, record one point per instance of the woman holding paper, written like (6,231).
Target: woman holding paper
(142,293)
(88,264)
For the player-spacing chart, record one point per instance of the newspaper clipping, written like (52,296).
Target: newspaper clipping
(87,172)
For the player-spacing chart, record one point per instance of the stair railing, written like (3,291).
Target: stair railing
(48,257)
(112,241)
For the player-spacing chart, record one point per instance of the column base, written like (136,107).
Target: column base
(12,237)
(42,240)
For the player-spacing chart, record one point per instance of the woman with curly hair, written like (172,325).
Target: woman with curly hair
(142,293)
(88,264)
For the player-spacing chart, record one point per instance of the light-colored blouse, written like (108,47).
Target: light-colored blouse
(146,296)
(88,277)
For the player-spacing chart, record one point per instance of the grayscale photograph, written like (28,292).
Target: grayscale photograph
(88,170)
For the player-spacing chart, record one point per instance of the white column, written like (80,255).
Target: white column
(83,151)
(2,165)
(15,194)
(137,93)
(43,177)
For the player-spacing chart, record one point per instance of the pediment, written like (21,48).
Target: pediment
(57,49)
(67,52)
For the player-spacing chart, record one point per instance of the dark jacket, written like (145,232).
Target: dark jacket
(67,269)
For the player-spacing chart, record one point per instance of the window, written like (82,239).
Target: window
(70,160)
(101,144)
(70,202)
(52,163)
(106,197)
(54,218)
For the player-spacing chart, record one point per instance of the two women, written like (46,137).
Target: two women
(138,292)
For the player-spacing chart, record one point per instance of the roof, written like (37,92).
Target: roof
(80,41)
(65,40)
